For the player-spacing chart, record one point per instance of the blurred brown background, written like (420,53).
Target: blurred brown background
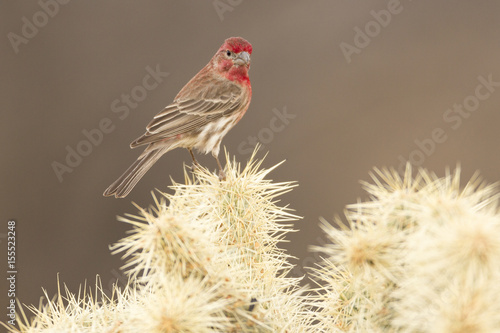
(354,100)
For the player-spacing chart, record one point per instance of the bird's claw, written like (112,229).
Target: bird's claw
(222,175)
(195,167)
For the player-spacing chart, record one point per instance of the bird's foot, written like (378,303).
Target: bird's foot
(222,175)
(195,166)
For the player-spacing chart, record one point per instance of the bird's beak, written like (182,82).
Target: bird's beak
(242,59)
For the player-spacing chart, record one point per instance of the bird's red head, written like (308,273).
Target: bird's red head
(233,59)
(237,45)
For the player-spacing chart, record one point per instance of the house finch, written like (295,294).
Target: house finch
(208,106)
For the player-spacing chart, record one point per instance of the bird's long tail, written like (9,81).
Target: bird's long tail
(123,185)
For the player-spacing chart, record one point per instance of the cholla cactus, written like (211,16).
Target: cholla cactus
(86,311)
(421,256)
(208,261)
(225,233)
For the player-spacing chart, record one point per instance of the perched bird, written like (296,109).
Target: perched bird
(202,113)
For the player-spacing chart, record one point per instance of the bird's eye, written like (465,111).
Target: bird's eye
(228,53)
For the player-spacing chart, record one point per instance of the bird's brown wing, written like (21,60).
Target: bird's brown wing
(186,115)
